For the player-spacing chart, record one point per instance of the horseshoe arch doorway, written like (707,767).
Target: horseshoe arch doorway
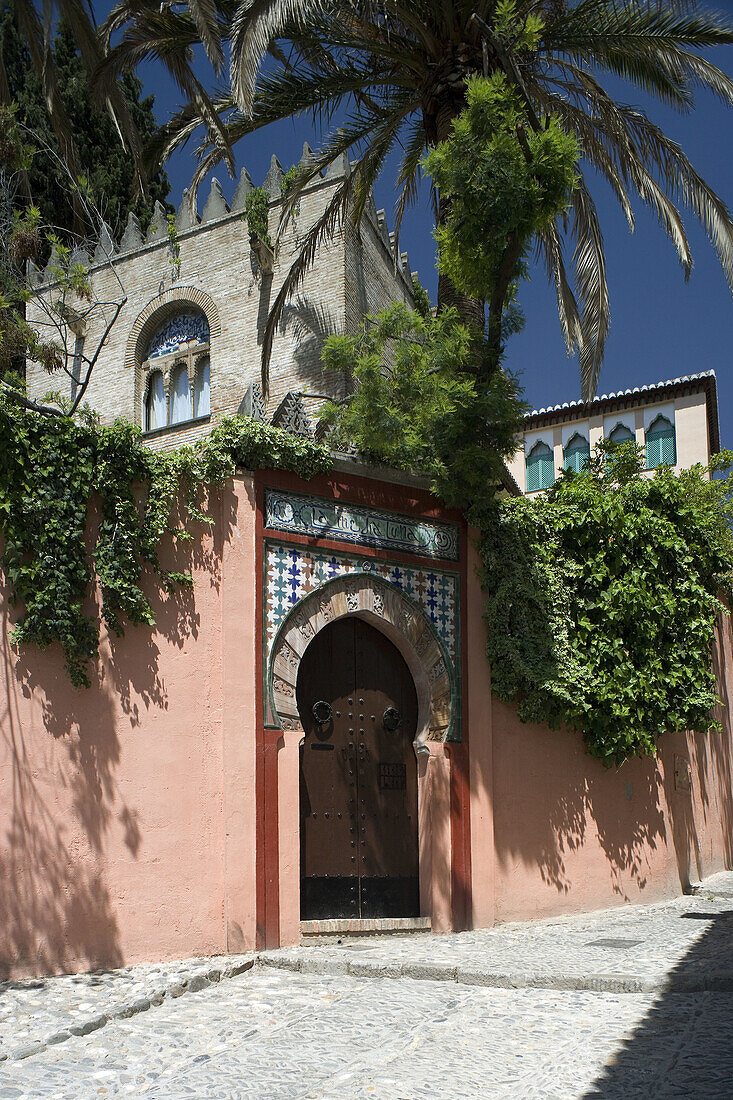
(358,776)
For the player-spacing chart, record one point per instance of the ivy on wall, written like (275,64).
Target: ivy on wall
(602,594)
(602,600)
(52,469)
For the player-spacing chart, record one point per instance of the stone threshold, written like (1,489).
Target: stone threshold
(313,930)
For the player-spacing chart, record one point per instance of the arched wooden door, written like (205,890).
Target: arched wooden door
(358,792)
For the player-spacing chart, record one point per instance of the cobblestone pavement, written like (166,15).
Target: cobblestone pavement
(39,1011)
(272,1032)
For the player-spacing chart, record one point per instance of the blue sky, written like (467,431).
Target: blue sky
(661,327)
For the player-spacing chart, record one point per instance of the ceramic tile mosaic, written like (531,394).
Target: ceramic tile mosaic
(294,571)
(343,522)
(184,326)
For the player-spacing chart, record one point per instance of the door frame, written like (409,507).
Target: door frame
(407,626)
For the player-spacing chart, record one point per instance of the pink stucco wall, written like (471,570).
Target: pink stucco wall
(127,809)
(567,835)
(128,816)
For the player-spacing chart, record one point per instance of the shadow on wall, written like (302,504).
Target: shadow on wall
(683,1046)
(569,802)
(552,801)
(310,324)
(62,801)
(133,667)
(55,909)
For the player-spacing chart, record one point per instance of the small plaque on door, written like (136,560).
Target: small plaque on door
(392,777)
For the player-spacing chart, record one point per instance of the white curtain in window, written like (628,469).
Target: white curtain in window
(201,405)
(155,403)
(180,396)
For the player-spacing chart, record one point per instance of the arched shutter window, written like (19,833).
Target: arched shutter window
(180,395)
(540,468)
(577,453)
(155,411)
(621,434)
(201,405)
(661,449)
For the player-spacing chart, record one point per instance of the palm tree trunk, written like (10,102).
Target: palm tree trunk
(509,260)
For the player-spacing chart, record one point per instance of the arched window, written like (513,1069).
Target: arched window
(201,405)
(621,434)
(660,444)
(540,468)
(180,395)
(155,405)
(179,342)
(577,453)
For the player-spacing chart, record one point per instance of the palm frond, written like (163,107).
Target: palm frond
(408,178)
(354,191)
(321,231)
(594,143)
(206,17)
(549,246)
(255,24)
(591,286)
(387,68)
(643,43)
(683,180)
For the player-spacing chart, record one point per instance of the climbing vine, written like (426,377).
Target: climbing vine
(53,469)
(290,178)
(174,243)
(602,600)
(256,207)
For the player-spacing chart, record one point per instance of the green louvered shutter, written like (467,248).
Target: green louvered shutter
(577,454)
(540,468)
(660,444)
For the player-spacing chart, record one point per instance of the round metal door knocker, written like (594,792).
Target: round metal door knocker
(391,719)
(322,712)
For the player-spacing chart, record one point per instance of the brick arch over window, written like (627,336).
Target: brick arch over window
(159,309)
(399,618)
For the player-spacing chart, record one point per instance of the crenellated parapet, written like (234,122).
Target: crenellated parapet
(136,241)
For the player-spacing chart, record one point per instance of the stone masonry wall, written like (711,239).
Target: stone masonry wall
(352,273)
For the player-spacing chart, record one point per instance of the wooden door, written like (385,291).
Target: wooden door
(358,799)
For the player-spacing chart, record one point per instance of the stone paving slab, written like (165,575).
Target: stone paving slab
(632,949)
(40,1012)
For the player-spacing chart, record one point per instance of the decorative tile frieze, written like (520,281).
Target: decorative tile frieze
(328,519)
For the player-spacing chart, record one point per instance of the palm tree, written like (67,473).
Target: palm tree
(394,72)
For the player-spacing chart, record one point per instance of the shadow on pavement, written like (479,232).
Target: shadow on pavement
(684,1046)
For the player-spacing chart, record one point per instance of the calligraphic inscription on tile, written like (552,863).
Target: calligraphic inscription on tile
(341,522)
